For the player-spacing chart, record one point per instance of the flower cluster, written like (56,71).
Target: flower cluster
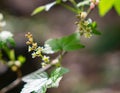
(84,25)
(93,3)
(14,65)
(37,51)
(5,38)
(4,35)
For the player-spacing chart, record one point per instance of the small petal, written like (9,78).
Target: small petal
(43,64)
(17,63)
(39,50)
(10,63)
(83,14)
(92,5)
(87,35)
(4,35)
(45,58)
(34,55)
(97,2)
(89,20)
(29,48)
(47,49)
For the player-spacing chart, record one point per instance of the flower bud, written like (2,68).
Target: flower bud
(17,63)
(43,64)
(97,2)
(83,15)
(14,68)
(45,58)
(4,35)
(92,5)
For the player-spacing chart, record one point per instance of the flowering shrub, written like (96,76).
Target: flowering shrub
(39,81)
(85,27)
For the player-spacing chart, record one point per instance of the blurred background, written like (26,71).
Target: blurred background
(94,69)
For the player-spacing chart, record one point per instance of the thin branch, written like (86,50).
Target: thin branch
(14,83)
(19,75)
(55,61)
(11,86)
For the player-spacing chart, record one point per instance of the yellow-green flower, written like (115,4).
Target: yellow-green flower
(45,58)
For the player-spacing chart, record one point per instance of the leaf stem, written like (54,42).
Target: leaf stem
(55,61)
(69,7)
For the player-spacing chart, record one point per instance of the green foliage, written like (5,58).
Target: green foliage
(67,43)
(22,59)
(11,41)
(56,2)
(117,6)
(56,76)
(93,26)
(35,82)
(12,55)
(106,5)
(45,7)
(38,82)
(1,44)
(38,10)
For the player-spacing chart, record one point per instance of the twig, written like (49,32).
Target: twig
(11,86)
(55,61)
(14,83)
(19,75)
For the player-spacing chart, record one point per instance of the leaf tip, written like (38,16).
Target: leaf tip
(37,10)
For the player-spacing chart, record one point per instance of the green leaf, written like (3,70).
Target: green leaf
(58,1)
(11,41)
(105,6)
(117,6)
(41,8)
(53,84)
(38,86)
(35,75)
(36,82)
(94,25)
(71,42)
(96,32)
(21,58)
(58,72)
(1,44)
(56,76)
(54,44)
(38,10)
(67,43)
(94,28)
